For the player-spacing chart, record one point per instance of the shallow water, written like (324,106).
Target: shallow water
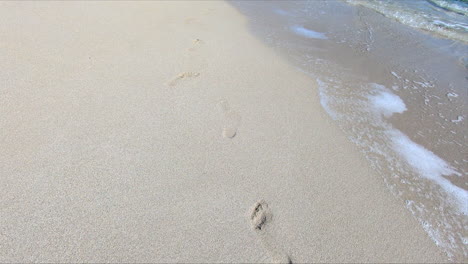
(398,92)
(446,18)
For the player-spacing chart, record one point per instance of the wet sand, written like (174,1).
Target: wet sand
(366,65)
(166,132)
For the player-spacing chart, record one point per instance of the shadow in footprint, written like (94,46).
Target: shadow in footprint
(260,215)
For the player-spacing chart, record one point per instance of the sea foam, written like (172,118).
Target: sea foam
(386,102)
(325,100)
(429,166)
(280,12)
(423,161)
(411,171)
(308,33)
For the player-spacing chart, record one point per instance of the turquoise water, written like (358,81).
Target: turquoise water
(447,18)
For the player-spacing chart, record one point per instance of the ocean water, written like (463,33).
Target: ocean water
(447,18)
(394,77)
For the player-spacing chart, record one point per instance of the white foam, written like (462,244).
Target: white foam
(386,102)
(308,33)
(396,75)
(324,100)
(422,174)
(451,5)
(459,119)
(429,166)
(280,12)
(422,84)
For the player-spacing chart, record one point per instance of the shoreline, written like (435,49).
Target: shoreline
(148,136)
(381,90)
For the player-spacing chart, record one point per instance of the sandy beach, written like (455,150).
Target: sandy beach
(166,132)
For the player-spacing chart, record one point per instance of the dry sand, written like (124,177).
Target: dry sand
(145,132)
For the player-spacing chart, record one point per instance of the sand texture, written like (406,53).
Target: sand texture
(165,132)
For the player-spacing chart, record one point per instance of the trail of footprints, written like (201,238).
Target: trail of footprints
(185,75)
(231,118)
(260,216)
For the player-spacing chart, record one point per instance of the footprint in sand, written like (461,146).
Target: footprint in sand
(232,120)
(182,76)
(196,42)
(260,216)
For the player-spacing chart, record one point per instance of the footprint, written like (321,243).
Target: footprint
(196,42)
(232,120)
(260,216)
(181,76)
(229,132)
